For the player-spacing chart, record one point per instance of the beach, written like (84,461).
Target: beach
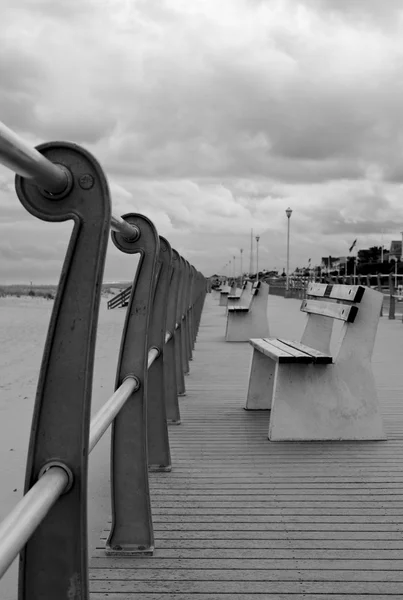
(23,327)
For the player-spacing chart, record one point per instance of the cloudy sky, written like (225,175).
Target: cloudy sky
(211,117)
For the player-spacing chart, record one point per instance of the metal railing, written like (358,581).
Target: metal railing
(121,299)
(55,182)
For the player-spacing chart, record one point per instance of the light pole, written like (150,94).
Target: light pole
(241,251)
(288,212)
(234,267)
(257,257)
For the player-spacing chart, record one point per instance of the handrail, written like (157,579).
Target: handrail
(24,518)
(26,161)
(140,431)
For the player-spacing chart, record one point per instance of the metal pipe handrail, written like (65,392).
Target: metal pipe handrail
(26,161)
(153,353)
(106,414)
(22,521)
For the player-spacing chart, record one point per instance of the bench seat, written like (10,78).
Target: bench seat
(285,351)
(238,308)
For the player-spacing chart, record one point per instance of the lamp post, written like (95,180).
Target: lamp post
(288,212)
(234,267)
(241,251)
(257,257)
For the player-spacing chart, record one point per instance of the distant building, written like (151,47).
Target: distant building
(395,252)
(333,262)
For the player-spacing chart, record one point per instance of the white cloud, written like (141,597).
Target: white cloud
(212,117)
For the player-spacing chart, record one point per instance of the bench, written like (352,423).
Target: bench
(249,319)
(313,393)
(225,290)
(242,297)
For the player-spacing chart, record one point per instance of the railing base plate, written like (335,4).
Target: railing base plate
(140,551)
(159,469)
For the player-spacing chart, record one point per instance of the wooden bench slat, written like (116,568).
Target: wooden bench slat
(297,353)
(319,357)
(279,352)
(343,312)
(350,293)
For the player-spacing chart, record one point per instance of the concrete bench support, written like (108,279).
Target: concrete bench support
(225,290)
(245,322)
(243,298)
(311,399)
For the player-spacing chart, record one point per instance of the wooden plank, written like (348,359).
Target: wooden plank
(304,564)
(312,553)
(279,352)
(299,355)
(280,544)
(274,574)
(319,357)
(235,596)
(248,587)
(343,312)
(350,293)
(277,533)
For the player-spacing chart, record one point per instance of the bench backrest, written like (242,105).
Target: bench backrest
(357,306)
(330,304)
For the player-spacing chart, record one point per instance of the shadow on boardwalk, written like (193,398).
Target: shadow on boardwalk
(241,517)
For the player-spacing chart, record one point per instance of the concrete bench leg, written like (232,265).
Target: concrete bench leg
(242,326)
(261,382)
(223,300)
(325,402)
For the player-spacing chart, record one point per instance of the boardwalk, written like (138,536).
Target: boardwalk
(240,517)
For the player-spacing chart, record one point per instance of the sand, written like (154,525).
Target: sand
(23,327)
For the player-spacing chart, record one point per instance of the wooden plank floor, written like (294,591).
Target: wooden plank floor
(241,517)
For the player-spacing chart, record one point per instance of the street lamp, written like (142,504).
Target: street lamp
(234,267)
(288,212)
(241,250)
(257,257)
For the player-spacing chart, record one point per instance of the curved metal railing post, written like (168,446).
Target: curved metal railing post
(184,318)
(170,383)
(189,345)
(54,561)
(159,456)
(193,302)
(132,530)
(201,299)
(180,372)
